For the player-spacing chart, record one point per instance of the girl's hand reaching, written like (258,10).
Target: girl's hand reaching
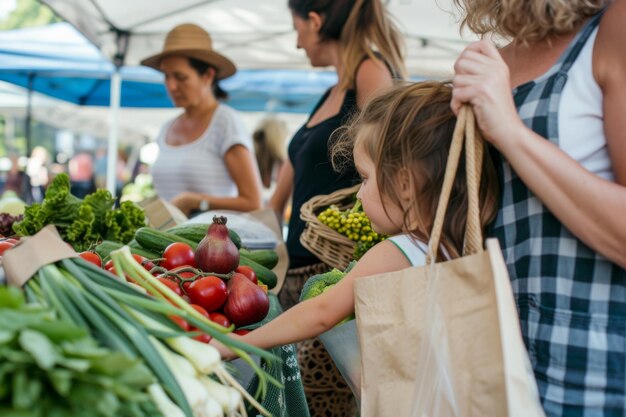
(225,352)
(482,79)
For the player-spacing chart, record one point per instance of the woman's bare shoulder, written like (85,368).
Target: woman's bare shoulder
(609,54)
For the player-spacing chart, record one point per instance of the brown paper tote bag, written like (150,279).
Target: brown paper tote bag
(443,340)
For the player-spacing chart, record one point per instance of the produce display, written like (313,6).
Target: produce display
(81,223)
(54,368)
(144,320)
(6,223)
(318,284)
(208,270)
(123,329)
(354,224)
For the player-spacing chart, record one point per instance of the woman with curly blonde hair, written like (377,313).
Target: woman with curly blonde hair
(561,142)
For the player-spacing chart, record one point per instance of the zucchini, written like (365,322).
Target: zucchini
(266,257)
(266,276)
(105,248)
(156,240)
(196,232)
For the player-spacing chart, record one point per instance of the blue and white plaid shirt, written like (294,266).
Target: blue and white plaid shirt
(571,300)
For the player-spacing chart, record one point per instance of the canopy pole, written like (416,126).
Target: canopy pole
(29,115)
(116,86)
(121,39)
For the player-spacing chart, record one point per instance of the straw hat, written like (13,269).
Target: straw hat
(194,42)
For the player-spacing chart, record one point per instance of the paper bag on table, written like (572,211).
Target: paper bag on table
(162,214)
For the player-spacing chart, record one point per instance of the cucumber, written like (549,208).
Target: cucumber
(266,276)
(196,232)
(266,257)
(156,240)
(105,248)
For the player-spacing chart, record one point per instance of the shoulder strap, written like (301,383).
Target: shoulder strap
(413,250)
(579,42)
(394,73)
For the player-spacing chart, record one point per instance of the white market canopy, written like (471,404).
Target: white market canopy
(253,33)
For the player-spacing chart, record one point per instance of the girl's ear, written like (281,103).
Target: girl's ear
(315,20)
(404,185)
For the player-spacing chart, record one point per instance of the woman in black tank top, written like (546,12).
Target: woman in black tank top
(337,33)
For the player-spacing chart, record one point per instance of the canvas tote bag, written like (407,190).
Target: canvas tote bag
(443,340)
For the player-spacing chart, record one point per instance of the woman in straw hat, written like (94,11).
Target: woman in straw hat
(206,158)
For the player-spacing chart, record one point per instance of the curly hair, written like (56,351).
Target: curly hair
(527,20)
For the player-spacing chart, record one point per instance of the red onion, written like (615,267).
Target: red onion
(247,303)
(216,252)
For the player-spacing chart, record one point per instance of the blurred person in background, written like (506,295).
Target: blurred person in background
(81,172)
(17,181)
(206,156)
(269,147)
(37,171)
(100,170)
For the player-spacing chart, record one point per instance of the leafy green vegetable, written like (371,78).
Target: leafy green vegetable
(317,284)
(53,368)
(81,222)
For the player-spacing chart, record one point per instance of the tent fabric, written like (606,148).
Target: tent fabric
(60,62)
(254,34)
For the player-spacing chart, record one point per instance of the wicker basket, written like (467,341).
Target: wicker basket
(327,244)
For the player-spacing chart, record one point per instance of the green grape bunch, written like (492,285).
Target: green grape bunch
(354,224)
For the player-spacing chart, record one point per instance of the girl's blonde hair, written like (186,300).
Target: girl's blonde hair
(409,130)
(527,20)
(361,27)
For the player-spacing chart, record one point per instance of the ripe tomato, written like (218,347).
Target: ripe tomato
(92,257)
(201,311)
(248,272)
(208,292)
(220,319)
(114,272)
(146,263)
(178,254)
(241,332)
(180,322)
(204,338)
(184,275)
(171,285)
(109,264)
(4,245)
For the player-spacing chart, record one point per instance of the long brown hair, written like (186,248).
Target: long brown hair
(527,20)
(411,130)
(361,27)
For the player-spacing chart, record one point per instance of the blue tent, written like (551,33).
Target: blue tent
(59,61)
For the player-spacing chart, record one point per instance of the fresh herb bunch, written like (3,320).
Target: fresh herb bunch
(354,224)
(50,367)
(81,223)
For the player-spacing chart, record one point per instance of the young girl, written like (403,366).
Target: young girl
(401,144)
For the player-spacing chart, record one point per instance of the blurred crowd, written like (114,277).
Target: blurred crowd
(28,177)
